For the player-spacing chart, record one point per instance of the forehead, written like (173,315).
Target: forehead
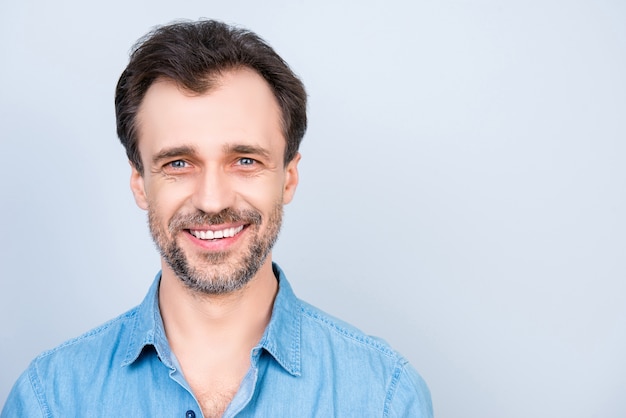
(239,108)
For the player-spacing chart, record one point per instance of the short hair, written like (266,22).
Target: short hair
(194,55)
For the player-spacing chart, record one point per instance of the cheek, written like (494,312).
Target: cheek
(262,195)
(166,199)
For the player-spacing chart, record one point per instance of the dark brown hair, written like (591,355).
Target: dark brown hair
(194,54)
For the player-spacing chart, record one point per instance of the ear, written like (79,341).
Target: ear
(291,179)
(138,188)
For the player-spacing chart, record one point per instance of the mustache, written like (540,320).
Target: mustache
(182,221)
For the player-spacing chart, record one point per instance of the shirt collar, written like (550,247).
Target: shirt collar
(148,329)
(281,337)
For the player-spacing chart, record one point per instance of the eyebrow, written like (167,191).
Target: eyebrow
(173,152)
(188,150)
(246,149)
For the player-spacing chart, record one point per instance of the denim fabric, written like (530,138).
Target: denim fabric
(307,364)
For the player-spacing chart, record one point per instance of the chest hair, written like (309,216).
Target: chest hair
(214,400)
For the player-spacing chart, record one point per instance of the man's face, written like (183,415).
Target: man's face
(214,182)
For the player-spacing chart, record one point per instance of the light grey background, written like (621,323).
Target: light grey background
(462,186)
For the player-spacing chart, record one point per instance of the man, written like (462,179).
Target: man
(211,119)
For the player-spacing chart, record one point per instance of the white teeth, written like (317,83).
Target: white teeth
(224,233)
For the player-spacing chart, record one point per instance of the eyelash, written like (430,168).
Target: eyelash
(177,164)
(180,166)
(248,161)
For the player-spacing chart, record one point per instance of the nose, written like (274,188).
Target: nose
(213,191)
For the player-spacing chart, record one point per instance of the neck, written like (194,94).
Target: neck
(214,323)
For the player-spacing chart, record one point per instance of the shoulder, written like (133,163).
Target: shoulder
(106,337)
(67,367)
(370,361)
(340,332)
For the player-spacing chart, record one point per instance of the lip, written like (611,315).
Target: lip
(217,244)
(216,227)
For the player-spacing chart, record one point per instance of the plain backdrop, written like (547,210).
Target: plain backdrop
(462,185)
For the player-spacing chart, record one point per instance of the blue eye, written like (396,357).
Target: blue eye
(246,161)
(178,164)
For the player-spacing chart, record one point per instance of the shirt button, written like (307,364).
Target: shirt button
(190,414)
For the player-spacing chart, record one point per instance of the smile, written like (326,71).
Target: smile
(223,233)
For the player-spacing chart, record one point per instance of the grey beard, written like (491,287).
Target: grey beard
(215,281)
(217,284)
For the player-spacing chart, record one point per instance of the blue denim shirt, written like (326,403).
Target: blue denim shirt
(307,364)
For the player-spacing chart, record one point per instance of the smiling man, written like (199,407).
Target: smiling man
(211,119)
